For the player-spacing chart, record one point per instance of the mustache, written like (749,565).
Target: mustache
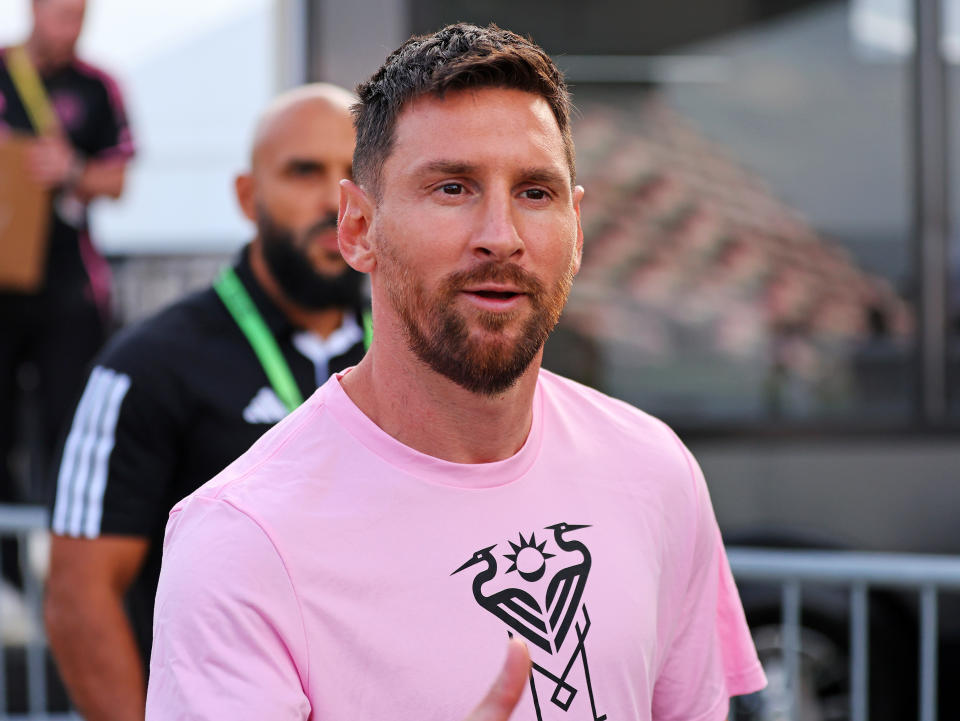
(324,225)
(495,272)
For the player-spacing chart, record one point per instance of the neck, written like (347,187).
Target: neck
(322,322)
(429,413)
(41,59)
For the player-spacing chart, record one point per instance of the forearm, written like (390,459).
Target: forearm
(100,178)
(94,646)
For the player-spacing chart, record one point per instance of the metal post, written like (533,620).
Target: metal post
(859,652)
(931,205)
(928,653)
(4,709)
(290,33)
(791,644)
(349,40)
(36,643)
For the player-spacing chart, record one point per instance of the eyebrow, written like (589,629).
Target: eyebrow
(537,174)
(445,167)
(303,164)
(547,176)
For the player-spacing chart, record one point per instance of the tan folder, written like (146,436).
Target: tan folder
(24,219)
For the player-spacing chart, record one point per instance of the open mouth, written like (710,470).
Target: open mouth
(495,294)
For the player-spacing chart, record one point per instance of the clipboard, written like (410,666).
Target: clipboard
(24,219)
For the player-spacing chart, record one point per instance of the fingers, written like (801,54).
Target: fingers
(507,688)
(50,160)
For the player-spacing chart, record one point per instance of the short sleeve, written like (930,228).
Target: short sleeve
(228,636)
(711,651)
(116,466)
(111,136)
(13,116)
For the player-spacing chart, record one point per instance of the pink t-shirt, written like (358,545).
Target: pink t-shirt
(332,573)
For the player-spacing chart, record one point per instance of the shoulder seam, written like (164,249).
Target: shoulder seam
(308,414)
(154,327)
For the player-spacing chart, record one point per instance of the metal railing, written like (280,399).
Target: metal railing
(24,523)
(859,571)
(791,569)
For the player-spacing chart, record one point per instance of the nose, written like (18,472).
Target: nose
(497,237)
(330,195)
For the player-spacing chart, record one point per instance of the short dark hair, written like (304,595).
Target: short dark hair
(458,57)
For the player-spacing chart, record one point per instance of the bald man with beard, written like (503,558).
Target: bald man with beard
(173,400)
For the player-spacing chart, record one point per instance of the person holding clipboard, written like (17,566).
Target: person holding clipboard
(64,140)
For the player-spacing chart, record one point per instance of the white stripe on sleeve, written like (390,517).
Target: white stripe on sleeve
(71,450)
(101,458)
(93,429)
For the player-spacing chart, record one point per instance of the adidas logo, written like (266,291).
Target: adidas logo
(265,407)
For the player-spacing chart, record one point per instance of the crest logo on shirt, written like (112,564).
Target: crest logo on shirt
(543,606)
(69,108)
(265,407)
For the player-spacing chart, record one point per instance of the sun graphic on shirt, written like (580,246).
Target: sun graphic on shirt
(529,559)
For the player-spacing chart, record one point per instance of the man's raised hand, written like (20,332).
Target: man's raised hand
(507,688)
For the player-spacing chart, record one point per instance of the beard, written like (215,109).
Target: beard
(285,253)
(439,335)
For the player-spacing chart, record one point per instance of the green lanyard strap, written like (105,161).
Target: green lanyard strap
(246,315)
(32,93)
(367,329)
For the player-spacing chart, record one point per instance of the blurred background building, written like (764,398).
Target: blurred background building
(770,263)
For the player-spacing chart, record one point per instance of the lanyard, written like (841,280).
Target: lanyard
(248,318)
(245,313)
(31,91)
(367,329)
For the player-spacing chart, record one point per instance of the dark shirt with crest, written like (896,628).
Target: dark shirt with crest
(89,107)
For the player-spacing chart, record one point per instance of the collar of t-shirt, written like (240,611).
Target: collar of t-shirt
(321,350)
(420,465)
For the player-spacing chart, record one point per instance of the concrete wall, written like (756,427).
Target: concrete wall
(881,493)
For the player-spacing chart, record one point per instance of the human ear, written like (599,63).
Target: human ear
(353,227)
(578,193)
(243,188)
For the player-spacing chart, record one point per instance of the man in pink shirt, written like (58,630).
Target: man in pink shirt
(368,557)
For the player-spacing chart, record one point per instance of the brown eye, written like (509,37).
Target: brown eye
(535,194)
(452,189)
(306,169)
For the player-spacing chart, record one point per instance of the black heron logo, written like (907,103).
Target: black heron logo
(545,625)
